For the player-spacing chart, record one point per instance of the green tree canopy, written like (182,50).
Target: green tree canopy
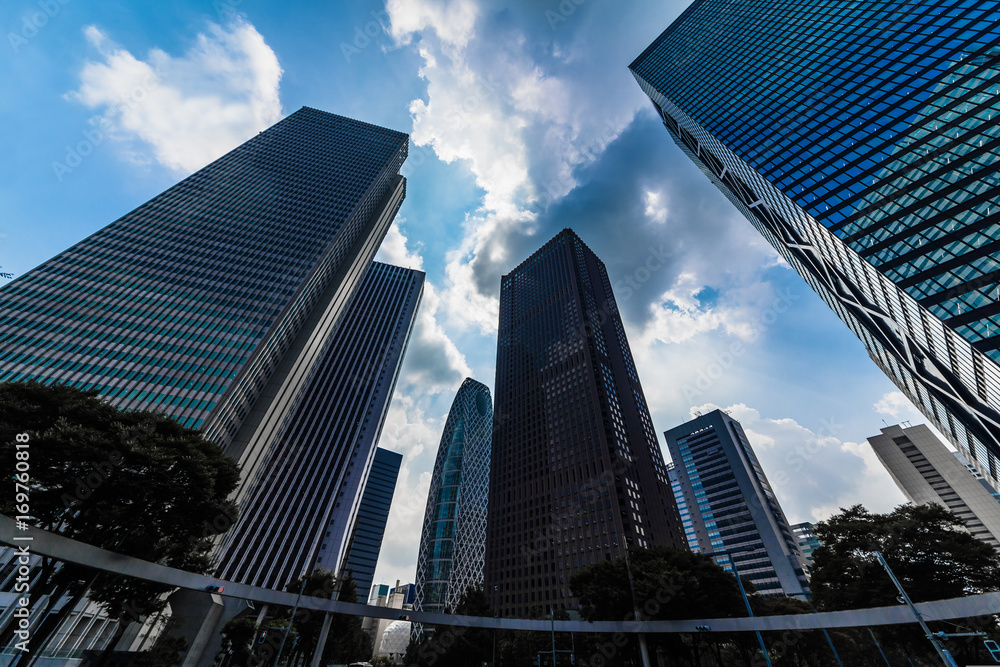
(456,645)
(925,546)
(136,483)
(670,584)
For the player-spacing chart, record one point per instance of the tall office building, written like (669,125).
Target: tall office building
(576,474)
(682,507)
(373,511)
(734,511)
(452,544)
(300,510)
(214,301)
(210,301)
(926,471)
(862,141)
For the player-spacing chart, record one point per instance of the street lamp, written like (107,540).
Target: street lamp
(935,640)
(743,592)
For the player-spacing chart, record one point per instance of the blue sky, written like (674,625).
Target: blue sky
(524,120)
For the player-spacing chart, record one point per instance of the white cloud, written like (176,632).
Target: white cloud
(394,251)
(452,21)
(895,404)
(682,312)
(433,363)
(656,206)
(522,129)
(814,472)
(186,110)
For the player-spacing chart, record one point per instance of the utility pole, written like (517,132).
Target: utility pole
(935,641)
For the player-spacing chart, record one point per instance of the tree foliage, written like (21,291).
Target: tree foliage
(925,546)
(456,645)
(136,483)
(346,642)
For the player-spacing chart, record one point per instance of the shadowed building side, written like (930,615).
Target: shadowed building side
(577,474)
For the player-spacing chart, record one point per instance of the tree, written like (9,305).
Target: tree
(346,642)
(456,645)
(670,584)
(929,553)
(238,637)
(130,482)
(925,546)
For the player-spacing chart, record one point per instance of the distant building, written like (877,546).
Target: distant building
(682,507)
(576,475)
(808,542)
(397,597)
(453,541)
(394,640)
(926,471)
(373,512)
(734,512)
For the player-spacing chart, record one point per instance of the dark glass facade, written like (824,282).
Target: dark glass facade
(453,541)
(861,139)
(189,303)
(300,509)
(373,512)
(732,506)
(576,472)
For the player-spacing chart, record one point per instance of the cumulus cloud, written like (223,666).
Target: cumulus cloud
(185,110)
(814,472)
(516,116)
(394,251)
(894,404)
(656,207)
(413,433)
(433,363)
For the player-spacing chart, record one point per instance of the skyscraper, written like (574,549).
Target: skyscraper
(861,140)
(734,511)
(210,301)
(926,471)
(682,507)
(299,511)
(373,511)
(576,474)
(452,544)
(215,302)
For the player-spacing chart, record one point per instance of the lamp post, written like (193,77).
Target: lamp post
(935,641)
(643,649)
(746,600)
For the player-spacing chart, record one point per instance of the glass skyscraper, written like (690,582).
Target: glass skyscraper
(576,474)
(218,291)
(223,302)
(682,507)
(373,512)
(733,510)
(860,139)
(453,541)
(300,509)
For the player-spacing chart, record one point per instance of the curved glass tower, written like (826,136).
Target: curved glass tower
(453,542)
